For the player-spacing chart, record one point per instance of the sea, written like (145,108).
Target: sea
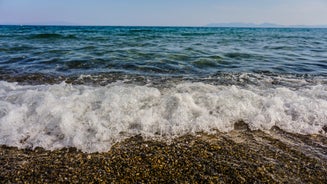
(89,87)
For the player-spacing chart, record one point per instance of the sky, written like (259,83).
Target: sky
(163,12)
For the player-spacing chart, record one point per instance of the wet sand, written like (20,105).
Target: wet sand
(240,156)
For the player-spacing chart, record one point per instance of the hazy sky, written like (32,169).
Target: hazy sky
(163,12)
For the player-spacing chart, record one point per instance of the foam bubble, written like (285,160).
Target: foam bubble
(93,118)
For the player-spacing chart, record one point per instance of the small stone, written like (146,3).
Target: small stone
(241,125)
(324,128)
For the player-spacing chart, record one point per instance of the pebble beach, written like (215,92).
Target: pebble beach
(236,157)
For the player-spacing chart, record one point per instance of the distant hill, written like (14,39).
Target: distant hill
(263,25)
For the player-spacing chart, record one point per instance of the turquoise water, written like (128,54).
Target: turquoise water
(89,87)
(161,51)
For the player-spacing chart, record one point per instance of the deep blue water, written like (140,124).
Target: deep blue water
(161,51)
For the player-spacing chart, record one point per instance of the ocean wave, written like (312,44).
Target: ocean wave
(93,118)
(52,36)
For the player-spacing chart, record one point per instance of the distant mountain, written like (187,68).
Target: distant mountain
(263,25)
(239,24)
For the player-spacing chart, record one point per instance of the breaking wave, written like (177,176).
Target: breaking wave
(93,118)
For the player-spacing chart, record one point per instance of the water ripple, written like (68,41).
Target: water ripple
(161,50)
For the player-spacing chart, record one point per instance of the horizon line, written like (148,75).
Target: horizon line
(210,25)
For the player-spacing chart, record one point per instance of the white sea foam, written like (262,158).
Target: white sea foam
(93,118)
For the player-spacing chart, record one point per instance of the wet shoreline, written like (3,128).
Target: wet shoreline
(240,156)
